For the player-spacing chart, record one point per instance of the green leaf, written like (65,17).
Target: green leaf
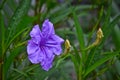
(76,65)
(102,71)
(23,27)
(110,28)
(62,15)
(80,36)
(100,62)
(115,20)
(20,44)
(2,30)
(10,59)
(106,24)
(27,69)
(116,36)
(79,31)
(107,17)
(77,55)
(60,59)
(61,12)
(20,12)
(21,72)
(90,57)
(18,34)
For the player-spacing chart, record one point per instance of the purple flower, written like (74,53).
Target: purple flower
(44,45)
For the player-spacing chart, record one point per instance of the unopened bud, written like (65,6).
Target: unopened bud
(67,46)
(98,39)
(99,33)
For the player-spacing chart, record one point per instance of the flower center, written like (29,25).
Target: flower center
(42,42)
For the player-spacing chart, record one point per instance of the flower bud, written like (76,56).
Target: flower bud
(67,46)
(98,39)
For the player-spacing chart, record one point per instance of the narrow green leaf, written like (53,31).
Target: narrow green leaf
(77,55)
(26,22)
(112,24)
(110,28)
(2,30)
(21,72)
(80,37)
(106,26)
(76,65)
(116,36)
(102,71)
(100,62)
(10,59)
(74,61)
(90,57)
(27,69)
(115,20)
(20,12)
(62,15)
(23,27)
(58,63)
(79,31)
(16,36)
(107,18)
(63,12)
(20,44)
(60,59)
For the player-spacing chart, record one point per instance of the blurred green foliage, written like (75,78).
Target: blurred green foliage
(76,20)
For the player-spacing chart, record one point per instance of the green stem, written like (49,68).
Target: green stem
(80,72)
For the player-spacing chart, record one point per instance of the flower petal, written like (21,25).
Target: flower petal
(57,39)
(57,50)
(54,43)
(31,47)
(47,52)
(36,34)
(46,63)
(54,39)
(35,54)
(47,28)
(35,58)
